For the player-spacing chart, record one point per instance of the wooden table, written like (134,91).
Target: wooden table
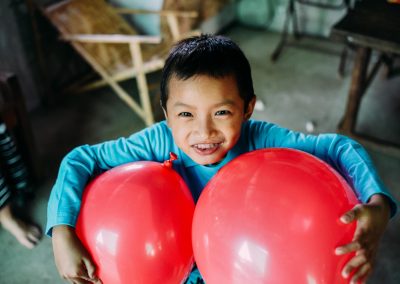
(372,25)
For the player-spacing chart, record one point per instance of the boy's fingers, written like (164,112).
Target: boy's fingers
(82,276)
(80,281)
(353,246)
(90,268)
(91,271)
(354,263)
(84,280)
(361,274)
(351,215)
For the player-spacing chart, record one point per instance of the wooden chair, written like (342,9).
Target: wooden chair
(113,48)
(291,15)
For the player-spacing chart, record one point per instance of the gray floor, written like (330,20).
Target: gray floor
(302,86)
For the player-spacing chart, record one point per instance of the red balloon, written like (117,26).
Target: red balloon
(135,220)
(272,216)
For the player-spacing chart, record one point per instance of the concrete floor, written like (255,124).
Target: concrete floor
(302,86)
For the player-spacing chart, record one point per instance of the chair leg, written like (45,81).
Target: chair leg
(296,31)
(125,97)
(145,99)
(342,63)
(388,61)
(142,84)
(289,14)
(113,84)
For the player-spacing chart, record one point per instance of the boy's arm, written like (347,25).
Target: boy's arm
(72,260)
(84,162)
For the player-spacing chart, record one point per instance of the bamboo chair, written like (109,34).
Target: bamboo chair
(113,47)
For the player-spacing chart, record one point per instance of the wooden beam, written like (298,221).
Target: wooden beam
(183,14)
(111,38)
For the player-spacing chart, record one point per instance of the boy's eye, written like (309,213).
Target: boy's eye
(185,114)
(222,112)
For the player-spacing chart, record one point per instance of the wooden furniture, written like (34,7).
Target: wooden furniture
(14,114)
(291,15)
(370,26)
(113,48)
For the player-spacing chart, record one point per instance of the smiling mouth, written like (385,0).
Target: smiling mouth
(206,148)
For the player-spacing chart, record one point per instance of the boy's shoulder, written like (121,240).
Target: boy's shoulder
(257,125)
(158,132)
(157,128)
(261,133)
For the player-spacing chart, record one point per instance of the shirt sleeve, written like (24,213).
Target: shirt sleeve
(85,162)
(347,156)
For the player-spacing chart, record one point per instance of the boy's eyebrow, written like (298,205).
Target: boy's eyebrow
(180,104)
(225,102)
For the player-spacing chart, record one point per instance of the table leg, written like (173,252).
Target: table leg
(359,83)
(357,89)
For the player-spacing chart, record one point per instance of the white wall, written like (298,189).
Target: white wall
(147,24)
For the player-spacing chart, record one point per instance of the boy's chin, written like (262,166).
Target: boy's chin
(207,160)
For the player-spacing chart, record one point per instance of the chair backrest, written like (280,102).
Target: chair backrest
(186,24)
(93,17)
(327,4)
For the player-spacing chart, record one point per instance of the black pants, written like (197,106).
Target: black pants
(14,177)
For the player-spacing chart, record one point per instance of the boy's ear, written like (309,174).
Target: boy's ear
(250,108)
(165,114)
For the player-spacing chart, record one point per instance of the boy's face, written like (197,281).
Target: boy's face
(205,115)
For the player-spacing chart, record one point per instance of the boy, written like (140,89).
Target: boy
(207,96)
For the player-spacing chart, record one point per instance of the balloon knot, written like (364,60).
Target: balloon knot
(172,157)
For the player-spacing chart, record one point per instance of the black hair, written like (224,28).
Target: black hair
(212,55)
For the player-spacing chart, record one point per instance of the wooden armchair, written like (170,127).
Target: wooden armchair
(113,48)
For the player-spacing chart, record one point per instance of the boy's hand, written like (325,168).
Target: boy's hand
(72,260)
(372,219)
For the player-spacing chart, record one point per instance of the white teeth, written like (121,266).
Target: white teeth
(206,146)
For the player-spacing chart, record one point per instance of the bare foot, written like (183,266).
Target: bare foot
(27,234)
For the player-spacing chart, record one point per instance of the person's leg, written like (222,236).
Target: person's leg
(15,170)
(27,234)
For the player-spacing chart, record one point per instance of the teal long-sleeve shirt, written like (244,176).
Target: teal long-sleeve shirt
(156,142)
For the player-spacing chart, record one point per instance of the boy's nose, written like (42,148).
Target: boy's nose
(205,128)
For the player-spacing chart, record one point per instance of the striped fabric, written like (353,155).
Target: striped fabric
(5,192)
(13,172)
